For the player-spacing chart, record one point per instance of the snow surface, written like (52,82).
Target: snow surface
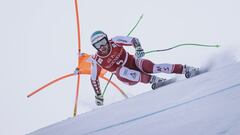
(207,104)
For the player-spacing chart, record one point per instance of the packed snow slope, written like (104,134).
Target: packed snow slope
(208,104)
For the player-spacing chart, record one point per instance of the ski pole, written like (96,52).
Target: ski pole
(186,44)
(107,84)
(140,18)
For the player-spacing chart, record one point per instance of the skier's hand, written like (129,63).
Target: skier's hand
(139,52)
(76,71)
(99,100)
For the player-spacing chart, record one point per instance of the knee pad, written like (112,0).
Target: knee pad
(129,74)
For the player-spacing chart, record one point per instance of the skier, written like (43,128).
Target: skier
(127,68)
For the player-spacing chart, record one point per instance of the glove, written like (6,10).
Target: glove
(137,45)
(139,52)
(99,100)
(76,71)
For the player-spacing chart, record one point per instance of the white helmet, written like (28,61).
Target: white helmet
(98,36)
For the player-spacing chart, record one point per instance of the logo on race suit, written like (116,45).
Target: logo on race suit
(125,72)
(134,75)
(119,62)
(100,61)
(162,69)
(115,58)
(129,74)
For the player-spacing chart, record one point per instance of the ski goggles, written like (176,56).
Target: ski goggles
(100,43)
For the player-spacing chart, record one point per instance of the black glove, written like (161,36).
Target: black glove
(99,100)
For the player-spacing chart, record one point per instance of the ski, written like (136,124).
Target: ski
(194,72)
(163,83)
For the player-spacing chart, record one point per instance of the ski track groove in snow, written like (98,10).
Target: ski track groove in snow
(163,110)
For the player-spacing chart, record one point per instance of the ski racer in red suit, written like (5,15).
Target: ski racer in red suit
(127,68)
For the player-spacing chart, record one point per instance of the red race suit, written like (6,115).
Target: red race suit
(125,66)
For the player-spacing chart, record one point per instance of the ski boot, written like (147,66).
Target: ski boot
(157,82)
(190,71)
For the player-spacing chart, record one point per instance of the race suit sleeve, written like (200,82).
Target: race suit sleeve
(95,71)
(125,41)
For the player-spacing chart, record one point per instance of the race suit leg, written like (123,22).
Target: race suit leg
(130,74)
(149,67)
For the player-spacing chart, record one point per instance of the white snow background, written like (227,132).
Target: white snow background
(38,42)
(203,105)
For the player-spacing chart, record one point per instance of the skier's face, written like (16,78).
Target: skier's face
(102,45)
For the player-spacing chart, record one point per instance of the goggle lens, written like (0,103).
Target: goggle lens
(100,43)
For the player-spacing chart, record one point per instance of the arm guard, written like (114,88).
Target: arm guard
(136,44)
(95,71)
(96,86)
